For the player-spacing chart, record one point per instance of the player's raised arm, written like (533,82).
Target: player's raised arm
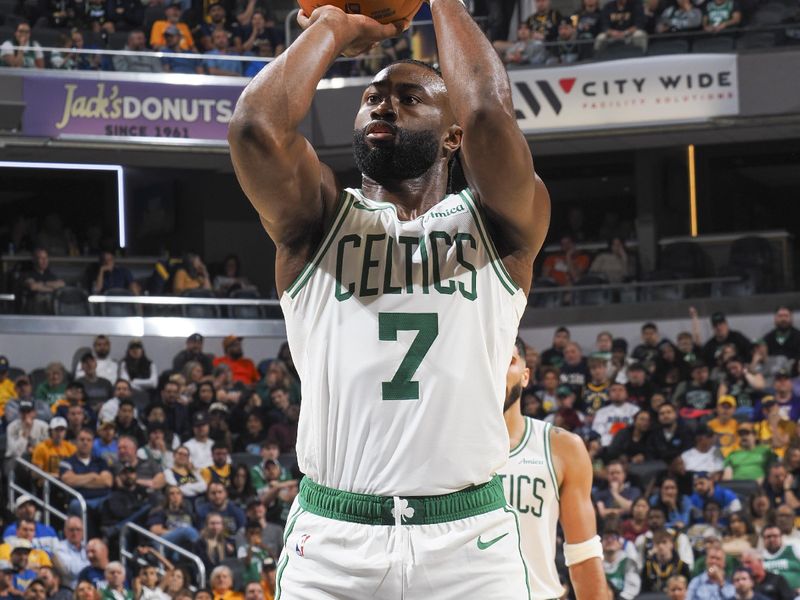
(582,548)
(276,166)
(495,155)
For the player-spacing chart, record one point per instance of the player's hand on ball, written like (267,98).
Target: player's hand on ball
(362,32)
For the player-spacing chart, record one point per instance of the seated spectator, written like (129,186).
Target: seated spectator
(622,21)
(617,416)
(657,519)
(631,442)
(567,266)
(712,583)
(98,389)
(750,460)
(676,506)
(622,572)
(647,352)
(220,468)
(670,438)
(90,476)
(48,454)
(116,587)
(192,275)
(148,472)
(662,564)
(278,375)
(52,389)
(587,21)
(173,39)
(706,531)
(779,557)
(70,554)
(221,66)
(218,21)
(742,385)
(271,533)
(214,546)
(705,490)
(107,367)
(148,585)
(614,263)
(134,63)
(776,484)
(616,500)
(26,432)
(125,15)
(252,553)
(185,475)
(596,390)
(760,512)
(786,398)
(524,51)
(97,555)
(670,368)
(53,587)
(636,524)
(677,587)
(8,389)
(21,574)
(771,585)
(44,536)
(85,590)
(40,283)
(284,430)
(137,368)
(183,39)
(704,456)
(156,449)
(24,393)
(174,518)
(243,369)
(193,353)
(73,407)
(254,35)
(121,391)
(25,535)
(221,581)
(744,584)
(109,275)
(32,58)
(565,415)
(544,21)
(739,535)
(723,334)
(126,423)
(250,439)
(128,502)
(680,18)
(217,501)
(640,388)
(784,340)
(721,15)
(774,430)
(697,394)
(554,355)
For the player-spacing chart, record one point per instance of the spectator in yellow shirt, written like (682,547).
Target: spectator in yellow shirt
(26,529)
(192,275)
(173,13)
(724,425)
(47,455)
(7,388)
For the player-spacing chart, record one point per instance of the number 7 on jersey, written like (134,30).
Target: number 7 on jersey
(401,387)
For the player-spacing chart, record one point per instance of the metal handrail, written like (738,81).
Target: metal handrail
(97,299)
(126,554)
(45,504)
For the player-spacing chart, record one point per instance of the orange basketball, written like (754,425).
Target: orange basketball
(384,11)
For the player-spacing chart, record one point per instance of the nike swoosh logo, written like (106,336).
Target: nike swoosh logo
(485,545)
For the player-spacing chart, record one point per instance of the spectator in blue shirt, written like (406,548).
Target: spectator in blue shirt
(97,555)
(21,575)
(705,489)
(89,475)
(105,444)
(110,276)
(217,502)
(263,49)
(217,66)
(176,64)
(711,584)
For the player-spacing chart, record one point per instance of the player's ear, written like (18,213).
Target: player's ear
(452,140)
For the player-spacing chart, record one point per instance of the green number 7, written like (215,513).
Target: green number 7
(401,387)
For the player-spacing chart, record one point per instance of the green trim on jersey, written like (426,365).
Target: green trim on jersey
(519,548)
(494,256)
(548,456)
(342,208)
(526,435)
(285,561)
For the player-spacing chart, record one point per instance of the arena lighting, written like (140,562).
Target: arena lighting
(692,192)
(11,164)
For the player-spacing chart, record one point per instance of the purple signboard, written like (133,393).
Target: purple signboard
(58,106)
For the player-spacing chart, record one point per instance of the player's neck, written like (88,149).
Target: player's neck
(412,197)
(515,424)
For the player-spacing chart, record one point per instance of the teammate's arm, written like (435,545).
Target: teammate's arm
(276,166)
(574,471)
(495,155)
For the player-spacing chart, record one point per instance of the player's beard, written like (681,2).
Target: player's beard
(410,156)
(514,394)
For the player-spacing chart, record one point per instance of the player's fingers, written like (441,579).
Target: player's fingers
(303,19)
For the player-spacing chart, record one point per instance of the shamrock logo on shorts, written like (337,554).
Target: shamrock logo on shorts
(406,512)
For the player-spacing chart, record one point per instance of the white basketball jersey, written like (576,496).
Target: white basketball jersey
(531,488)
(402,332)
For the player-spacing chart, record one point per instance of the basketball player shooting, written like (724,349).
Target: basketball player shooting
(401,303)
(549,470)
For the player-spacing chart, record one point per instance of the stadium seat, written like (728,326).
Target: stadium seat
(592,297)
(753,255)
(49,38)
(618,51)
(688,260)
(545,299)
(245,312)
(743,488)
(71,301)
(117,40)
(754,40)
(647,471)
(660,47)
(118,310)
(740,289)
(656,293)
(769,14)
(6,8)
(199,311)
(713,44)
(245,458)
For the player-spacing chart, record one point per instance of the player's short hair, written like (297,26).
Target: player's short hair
(419,63)
(521,346)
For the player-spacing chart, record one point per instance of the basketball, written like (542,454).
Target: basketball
(383,11)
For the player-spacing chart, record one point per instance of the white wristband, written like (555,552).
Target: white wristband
(463,3)
(577,553)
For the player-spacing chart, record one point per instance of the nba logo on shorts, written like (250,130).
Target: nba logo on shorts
(299,547)
(353,8)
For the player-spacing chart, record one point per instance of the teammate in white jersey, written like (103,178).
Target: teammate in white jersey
(548,478)
(400,311)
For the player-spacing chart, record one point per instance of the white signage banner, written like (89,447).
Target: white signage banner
(655,90)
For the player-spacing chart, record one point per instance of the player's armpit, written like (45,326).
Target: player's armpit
(574,472)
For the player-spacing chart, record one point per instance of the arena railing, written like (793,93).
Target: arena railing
(126,554)
(44,503)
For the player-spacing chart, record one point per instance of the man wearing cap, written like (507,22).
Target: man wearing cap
(772,429)
(788,402)
(44,536)
(137,42)
(705,489)
(25,536)
(7,388)
(565,415)
(220,468)
(725,426)
(617,415)
(193,352)
(69,554)
(178,64)
(622,572)
(25,433)
(243,369)
(697,394)
(98,389)
(647,352)
(784,340)
(47,455)
(749,461)
(127,502)
(704,456)
(201,444)
(24,391)
(105,444)
(21,574)
(723,334)
(107,367)
(218,428)
(172,11)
